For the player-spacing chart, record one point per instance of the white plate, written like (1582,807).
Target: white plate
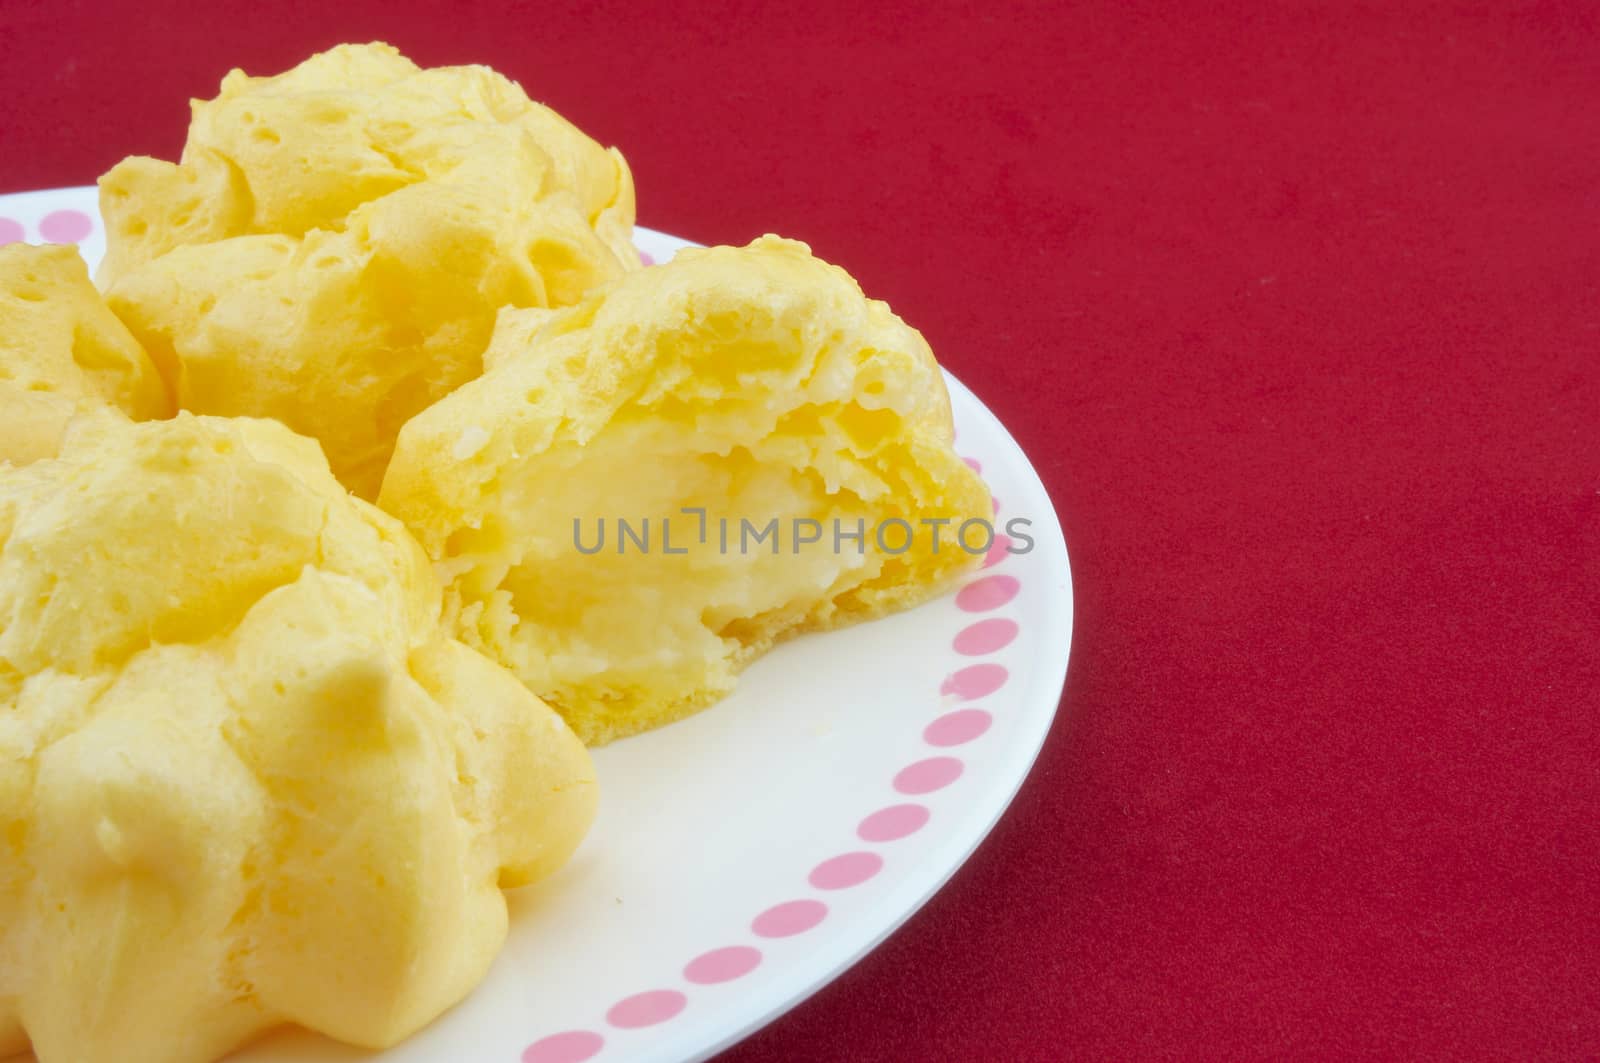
(746,856)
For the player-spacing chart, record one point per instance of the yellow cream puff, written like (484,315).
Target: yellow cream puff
(245,779)
(646,490)
(63,353)
(333,246)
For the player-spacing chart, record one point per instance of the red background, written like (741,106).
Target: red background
(1297,310)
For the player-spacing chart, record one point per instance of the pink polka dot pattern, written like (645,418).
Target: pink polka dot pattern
(845,871)
(722,965)
(842,872)
(975,681)
(573,1046)
(646,1009)
(990,592)
(646,258)
(788,919)
(893,823)
(998,552)
(11,231)
(957,728)
(65,226)
(994,501)
(926,776)
(986,636)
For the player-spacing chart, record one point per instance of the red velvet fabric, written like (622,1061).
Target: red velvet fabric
(1297,310)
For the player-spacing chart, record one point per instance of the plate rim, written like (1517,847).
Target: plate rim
(1045,682)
